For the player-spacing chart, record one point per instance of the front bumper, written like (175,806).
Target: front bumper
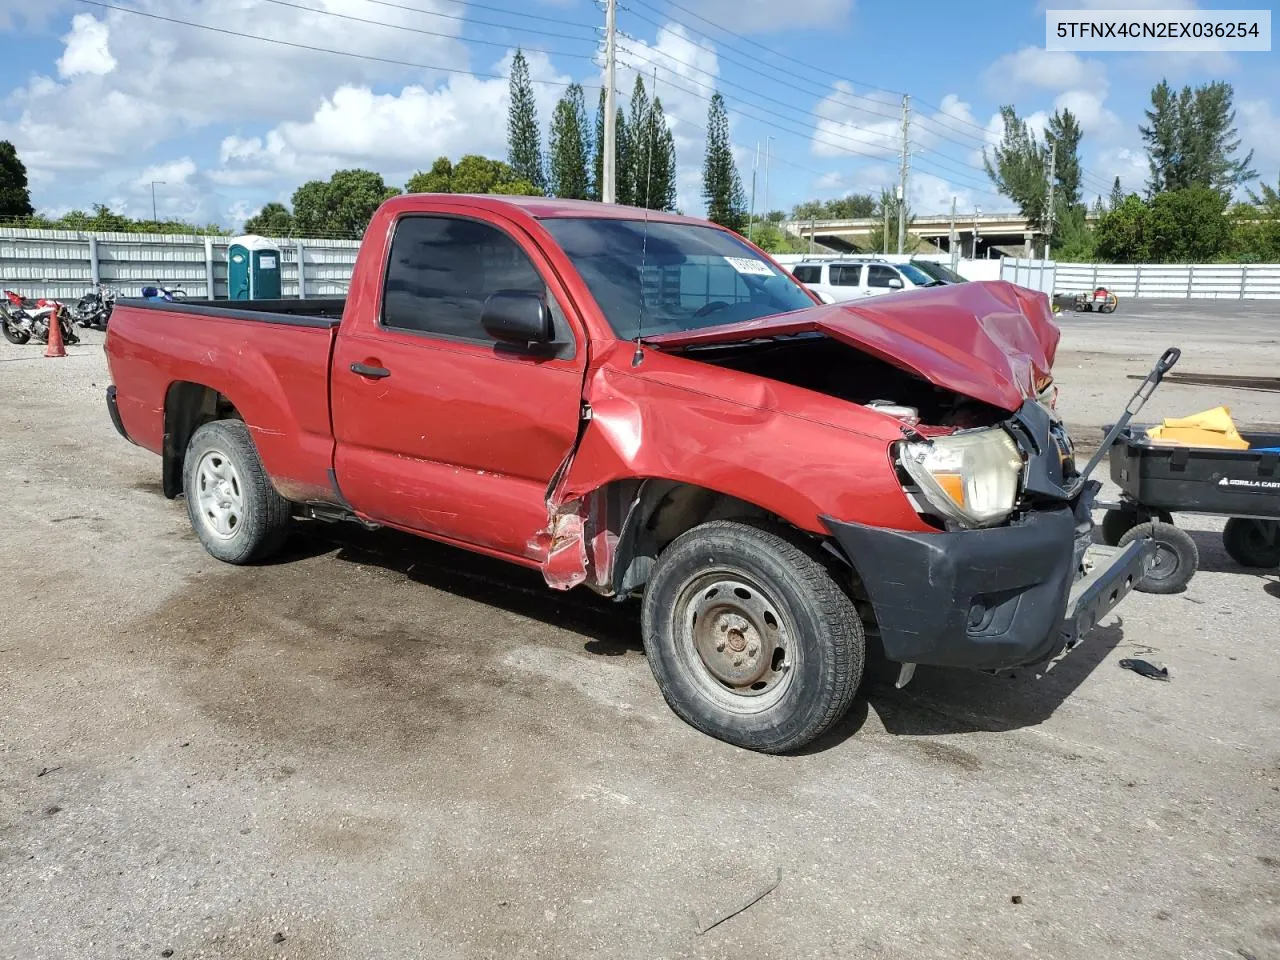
(988,599)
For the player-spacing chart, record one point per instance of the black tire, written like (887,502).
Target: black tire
(1252,543)
(786,604)
(1116,523)
(1176,557)
(262,516)
(13,334)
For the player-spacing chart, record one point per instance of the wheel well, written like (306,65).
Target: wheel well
(187,406)
(653,513)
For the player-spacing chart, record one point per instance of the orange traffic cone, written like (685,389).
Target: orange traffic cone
(55,347)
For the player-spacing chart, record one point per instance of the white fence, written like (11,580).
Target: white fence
(1196,281)
(64,263)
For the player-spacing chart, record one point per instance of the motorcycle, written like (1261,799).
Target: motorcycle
(22,318)
(167,294)
(94,309)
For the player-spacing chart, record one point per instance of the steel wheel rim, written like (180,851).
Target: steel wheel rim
(736,641)
(1165,564)
(219,495)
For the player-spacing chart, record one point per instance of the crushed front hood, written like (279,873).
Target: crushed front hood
(989,340)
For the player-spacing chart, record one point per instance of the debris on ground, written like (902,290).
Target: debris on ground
(1146,668)
(747,904)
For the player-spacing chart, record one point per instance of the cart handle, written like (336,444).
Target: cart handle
(1136,403)
(1167,360)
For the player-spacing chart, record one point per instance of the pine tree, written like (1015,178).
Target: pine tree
(1211,159)
(1117,195)
(1063,133)
(1191,140)
(721,185)
(638,144)
(1018,168)
(1161,134)
(570,147)
(524,141)
(15,197)
(597,169)
(661,151)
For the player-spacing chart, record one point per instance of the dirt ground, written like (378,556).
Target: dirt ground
(378,747)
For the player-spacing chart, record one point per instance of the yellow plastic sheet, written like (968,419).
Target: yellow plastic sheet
(1211,428)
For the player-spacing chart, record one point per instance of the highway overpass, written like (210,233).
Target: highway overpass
(996,233)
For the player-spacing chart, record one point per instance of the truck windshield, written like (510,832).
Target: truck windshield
(672,276)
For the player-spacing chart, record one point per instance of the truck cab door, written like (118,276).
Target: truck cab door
(439,428)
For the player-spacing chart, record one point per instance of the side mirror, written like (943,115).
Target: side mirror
(518,317)
(895,283)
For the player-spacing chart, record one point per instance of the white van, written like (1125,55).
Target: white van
(835,280)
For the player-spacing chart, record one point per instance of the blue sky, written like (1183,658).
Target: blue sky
(101,102)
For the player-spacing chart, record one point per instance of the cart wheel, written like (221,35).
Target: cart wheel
(1252,543)
(1176,557)
(1117,522)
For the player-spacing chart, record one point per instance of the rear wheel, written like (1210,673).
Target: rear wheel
(1176,557)
(1252,543)
(234,509)
(750,638)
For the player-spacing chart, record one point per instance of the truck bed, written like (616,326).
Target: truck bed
(317,312)
(271,356)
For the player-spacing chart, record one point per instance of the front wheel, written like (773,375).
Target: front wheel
(1252,543)
(13,334)
(233,508)
(750,638)
(1176,557)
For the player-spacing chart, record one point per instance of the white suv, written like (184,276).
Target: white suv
(835,280)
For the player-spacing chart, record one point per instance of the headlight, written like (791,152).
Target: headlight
(971,478)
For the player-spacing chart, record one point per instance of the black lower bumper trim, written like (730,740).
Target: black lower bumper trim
(113,409)
(988,599)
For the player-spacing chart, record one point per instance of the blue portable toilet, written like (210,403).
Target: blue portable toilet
(253,269)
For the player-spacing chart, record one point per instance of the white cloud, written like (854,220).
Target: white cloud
(1046,69)
(87,49)
(127,83)
(173,173)
(765,16)
(1129,163)
(396,133)
(1094,118)
(1259,130)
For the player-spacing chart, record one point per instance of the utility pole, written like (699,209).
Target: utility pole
(902,173)
(765,206)
(813,231)
(951,236)
(1053,170)
(751,214)
(885,243)
(154,218)
(608,189)
(977,212)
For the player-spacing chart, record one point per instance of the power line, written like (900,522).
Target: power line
(807,132)
(813,128)
(434,33)
(485,23)
(937,120)
(314,49)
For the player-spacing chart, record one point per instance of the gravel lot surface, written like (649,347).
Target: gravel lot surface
(379,747)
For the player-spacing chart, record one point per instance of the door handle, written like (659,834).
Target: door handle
(373,373)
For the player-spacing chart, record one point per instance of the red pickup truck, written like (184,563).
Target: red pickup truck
(649,406)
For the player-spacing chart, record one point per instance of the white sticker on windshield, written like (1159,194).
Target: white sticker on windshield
(750,266)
